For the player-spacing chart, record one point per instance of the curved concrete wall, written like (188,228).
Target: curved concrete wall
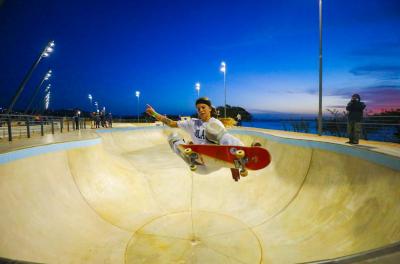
(128,198)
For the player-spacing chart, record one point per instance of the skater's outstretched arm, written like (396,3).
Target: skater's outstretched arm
(150,111)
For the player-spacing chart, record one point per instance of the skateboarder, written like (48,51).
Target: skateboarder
(203,130)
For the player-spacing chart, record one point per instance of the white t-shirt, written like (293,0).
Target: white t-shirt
(196,129)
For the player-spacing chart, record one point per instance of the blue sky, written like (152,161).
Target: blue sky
(110,49)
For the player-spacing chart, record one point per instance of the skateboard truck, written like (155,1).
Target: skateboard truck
(240,162)
(192,157)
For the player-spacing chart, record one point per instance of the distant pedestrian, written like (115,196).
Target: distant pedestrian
(97,120)
(355,108)
(103,119)
(76,119)
(239,119)
(109,119)
(93,119)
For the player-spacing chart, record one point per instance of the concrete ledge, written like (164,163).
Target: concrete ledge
(386,160)
(34,151)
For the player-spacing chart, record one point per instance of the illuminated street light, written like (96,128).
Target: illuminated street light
(48,75)
(49,49)
(37,89)
(198,89)
(47,88)
(47,97)
(90,99)
(137,95)
(223,70)
(45,53)
(97,106)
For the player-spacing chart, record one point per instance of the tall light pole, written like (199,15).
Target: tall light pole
(45,53)
(97,106)
(320,71)
(223,70)
(47,97)
(198,89)
(90,100)
(137,95)
(45,78)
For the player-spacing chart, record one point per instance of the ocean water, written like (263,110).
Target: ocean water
(285,125)
(382,133)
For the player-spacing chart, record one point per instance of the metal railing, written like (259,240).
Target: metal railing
(132,120)
(25,126)
(378,128)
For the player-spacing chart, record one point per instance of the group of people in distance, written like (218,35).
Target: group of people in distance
(101,118)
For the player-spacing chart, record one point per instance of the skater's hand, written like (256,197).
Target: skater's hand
(150,110)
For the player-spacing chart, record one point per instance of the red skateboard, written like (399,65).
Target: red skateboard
(239,159)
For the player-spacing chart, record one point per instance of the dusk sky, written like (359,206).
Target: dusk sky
(110,49)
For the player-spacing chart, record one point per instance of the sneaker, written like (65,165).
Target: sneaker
(173,139)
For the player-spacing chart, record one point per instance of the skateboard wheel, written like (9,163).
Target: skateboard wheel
(239,154)
(244,173)
(188,151)
(193,167)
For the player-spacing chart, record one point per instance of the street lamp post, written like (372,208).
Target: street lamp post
(97,106)
(47,97)
(45,53)
(198,89)
(137,95)
(45,78)
(320,71)
(90,100)
(223,70)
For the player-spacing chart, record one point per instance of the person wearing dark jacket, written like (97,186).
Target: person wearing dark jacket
(76,119)
(355,108)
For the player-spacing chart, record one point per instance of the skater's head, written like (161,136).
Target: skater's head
(204,108)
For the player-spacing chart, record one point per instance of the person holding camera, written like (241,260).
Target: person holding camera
(355,108)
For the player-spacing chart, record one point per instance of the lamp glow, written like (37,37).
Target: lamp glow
(197,86)
(223,67)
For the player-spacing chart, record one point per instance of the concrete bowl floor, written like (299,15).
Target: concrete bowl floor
(128,199)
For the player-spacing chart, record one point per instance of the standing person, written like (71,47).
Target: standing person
(93,119)
(76,118)
(103,119)
(239,119)
(203,130)
(355,108)
(97,120)
(109,119)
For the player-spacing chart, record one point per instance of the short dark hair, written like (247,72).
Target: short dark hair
(204,100)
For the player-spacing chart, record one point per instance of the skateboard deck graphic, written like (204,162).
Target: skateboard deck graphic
(237,158)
